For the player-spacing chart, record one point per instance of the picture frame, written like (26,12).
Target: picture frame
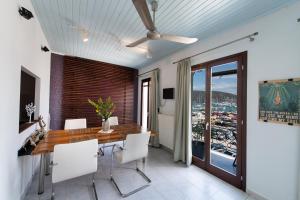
(279,101)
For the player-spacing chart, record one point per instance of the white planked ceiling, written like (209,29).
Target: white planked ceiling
(112,23)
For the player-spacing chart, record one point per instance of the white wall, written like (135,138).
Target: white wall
(299,181)
(20,43)
(166,129)
(273,155)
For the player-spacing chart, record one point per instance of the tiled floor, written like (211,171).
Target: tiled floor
(170,181)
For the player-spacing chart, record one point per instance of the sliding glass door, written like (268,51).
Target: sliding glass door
(218,111)
(199,113)
(223,122)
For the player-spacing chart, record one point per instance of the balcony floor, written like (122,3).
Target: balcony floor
(223,161)
(218,159)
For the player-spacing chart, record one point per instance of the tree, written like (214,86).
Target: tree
(198,129)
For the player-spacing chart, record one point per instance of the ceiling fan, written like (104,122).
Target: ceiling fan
(83,32)
(153,34)
(113,37)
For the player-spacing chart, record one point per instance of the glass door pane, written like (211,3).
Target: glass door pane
(145,104)
(198,113)
(223,117)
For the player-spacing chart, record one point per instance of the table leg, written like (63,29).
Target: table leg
(47,171)
(41,175)
(103,146)
(144,164)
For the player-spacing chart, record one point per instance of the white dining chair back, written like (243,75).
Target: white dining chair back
(74,160)
(75,123)
(136,147)
(113,121)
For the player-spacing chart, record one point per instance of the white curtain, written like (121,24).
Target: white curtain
(182,127)
(154,106)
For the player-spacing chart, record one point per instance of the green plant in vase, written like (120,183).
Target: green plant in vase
(104,109)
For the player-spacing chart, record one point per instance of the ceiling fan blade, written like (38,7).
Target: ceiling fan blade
(141,50)
(179,39)
(140,41)
(143,10)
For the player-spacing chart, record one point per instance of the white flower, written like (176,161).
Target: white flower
(30,108)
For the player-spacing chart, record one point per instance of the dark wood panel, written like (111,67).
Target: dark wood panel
(83,79)
(56,91)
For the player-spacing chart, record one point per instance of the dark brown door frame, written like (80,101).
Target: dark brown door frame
(141,113)
(240,180)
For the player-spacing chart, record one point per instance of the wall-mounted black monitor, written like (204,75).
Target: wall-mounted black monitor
(168,93)
(27,95)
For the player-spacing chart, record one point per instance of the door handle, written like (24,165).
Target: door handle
(206,126)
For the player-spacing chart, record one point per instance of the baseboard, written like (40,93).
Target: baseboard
(255,195)
(24,192)
(166,148)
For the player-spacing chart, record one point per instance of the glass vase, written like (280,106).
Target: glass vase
(105,125)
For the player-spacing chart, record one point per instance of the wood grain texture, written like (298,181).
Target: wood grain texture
(55,137)
(84,79)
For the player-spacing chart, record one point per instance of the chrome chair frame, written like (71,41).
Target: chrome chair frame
(148,180)
(93,185)
(52,184)
(101,149)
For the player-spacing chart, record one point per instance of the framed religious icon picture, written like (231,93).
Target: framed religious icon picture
(279,101)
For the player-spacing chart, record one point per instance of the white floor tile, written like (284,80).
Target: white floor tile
(170,181)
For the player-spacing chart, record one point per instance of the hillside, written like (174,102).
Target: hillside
(198,96)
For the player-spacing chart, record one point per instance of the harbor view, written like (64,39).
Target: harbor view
(223,116)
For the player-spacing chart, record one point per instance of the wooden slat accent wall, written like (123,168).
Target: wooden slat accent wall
(85,79)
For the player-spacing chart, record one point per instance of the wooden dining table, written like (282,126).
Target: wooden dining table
(54,137)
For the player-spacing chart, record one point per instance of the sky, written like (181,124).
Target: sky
(225,83)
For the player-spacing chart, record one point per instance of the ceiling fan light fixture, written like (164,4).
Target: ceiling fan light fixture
(148,55)
(85,36)
(137,49)
(142,50)
(86,39)
(193,40)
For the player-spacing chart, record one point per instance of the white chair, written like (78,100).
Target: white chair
(136,148)
(74,160)
(69,124)
(75,123)
(113,121)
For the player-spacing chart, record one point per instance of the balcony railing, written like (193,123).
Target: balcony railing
(223,143)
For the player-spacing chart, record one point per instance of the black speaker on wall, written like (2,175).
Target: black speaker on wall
(44,48)
(25,13)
